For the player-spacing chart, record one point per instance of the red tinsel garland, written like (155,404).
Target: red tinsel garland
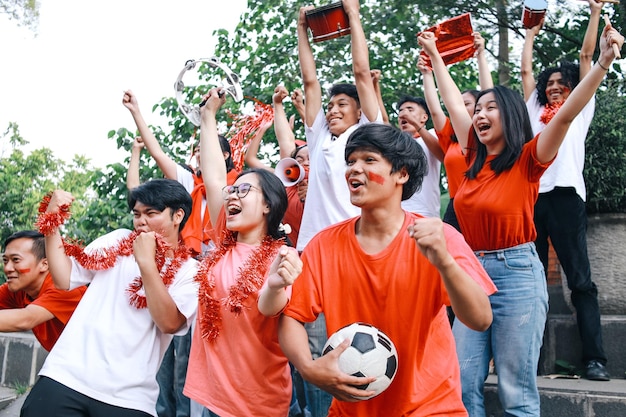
(48,222)
(249,281)
(549,111)
(105,258)
(244,128)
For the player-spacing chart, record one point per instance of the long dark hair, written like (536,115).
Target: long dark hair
(515,127)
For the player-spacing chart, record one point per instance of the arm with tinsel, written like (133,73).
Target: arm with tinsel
(53,212)
(163,309)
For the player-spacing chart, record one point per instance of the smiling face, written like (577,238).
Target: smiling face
(246,214)
(342,112)
(370,180)
(556,89)
(488,124)
(23,270)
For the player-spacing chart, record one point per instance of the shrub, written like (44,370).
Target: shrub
(605,163)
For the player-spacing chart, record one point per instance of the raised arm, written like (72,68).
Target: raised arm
(251,158)
(211,157)
(431,96)
(297,98)
(376,77)
(551,137)
(59,263)
(312,87)
(282,128)
(132,175)
(165,163)
(484,72)
(360,62)
(450,93)
(528,77)
(591,37)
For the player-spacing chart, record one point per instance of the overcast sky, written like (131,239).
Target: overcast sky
(64,86)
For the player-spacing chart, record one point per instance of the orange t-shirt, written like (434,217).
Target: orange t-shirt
(401,293)
(293,215)
(453,159)
(496,211)
(244,371)
(60,303)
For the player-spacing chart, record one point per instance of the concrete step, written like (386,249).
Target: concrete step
(569,397)
(562,342)
(7,396)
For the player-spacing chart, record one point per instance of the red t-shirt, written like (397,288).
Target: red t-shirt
(496,211)
(60,303)
(401,293)
(453,160)
(293,215)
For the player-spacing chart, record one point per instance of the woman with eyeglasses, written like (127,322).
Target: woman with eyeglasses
(236,366)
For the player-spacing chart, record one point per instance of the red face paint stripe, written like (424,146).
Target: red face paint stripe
(23,271)
(376,178)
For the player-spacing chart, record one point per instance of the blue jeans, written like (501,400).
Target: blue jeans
(560,215)
(171,378)
(317,400)
(514,338)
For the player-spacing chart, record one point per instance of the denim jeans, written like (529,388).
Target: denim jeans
(171,378)
(514,338)
(317,400)
(560,215)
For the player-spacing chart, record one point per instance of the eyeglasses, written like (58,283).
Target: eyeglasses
(241,190)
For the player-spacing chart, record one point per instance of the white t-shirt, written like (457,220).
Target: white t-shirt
(567,168)
(328,197)
(111,351)
(427,201)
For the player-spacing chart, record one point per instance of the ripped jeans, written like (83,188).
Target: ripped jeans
(514,338)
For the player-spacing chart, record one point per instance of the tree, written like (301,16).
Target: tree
(25,12)
(25,179)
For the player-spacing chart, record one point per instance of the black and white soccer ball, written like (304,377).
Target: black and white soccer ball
(371,353)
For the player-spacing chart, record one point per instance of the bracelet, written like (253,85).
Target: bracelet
(602,66)
(420,129)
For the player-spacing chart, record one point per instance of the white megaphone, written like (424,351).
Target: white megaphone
(289,171)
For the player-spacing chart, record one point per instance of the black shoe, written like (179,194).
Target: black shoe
(596,371)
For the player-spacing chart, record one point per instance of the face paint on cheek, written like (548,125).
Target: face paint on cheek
(23,271)
(376,178)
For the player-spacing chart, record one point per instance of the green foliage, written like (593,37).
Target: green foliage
(605,167)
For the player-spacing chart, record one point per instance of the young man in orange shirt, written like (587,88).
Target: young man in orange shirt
(29,300)
(395,270)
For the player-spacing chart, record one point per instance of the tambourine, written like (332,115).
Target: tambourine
(230,83)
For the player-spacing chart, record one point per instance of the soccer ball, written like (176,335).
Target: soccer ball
(371,353)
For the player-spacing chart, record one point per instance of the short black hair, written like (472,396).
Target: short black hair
(162,193)
(411,99)
(347,89)
(294,153)
(398,147)
(39,245)
(570,73)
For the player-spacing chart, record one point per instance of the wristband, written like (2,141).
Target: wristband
(602,66)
